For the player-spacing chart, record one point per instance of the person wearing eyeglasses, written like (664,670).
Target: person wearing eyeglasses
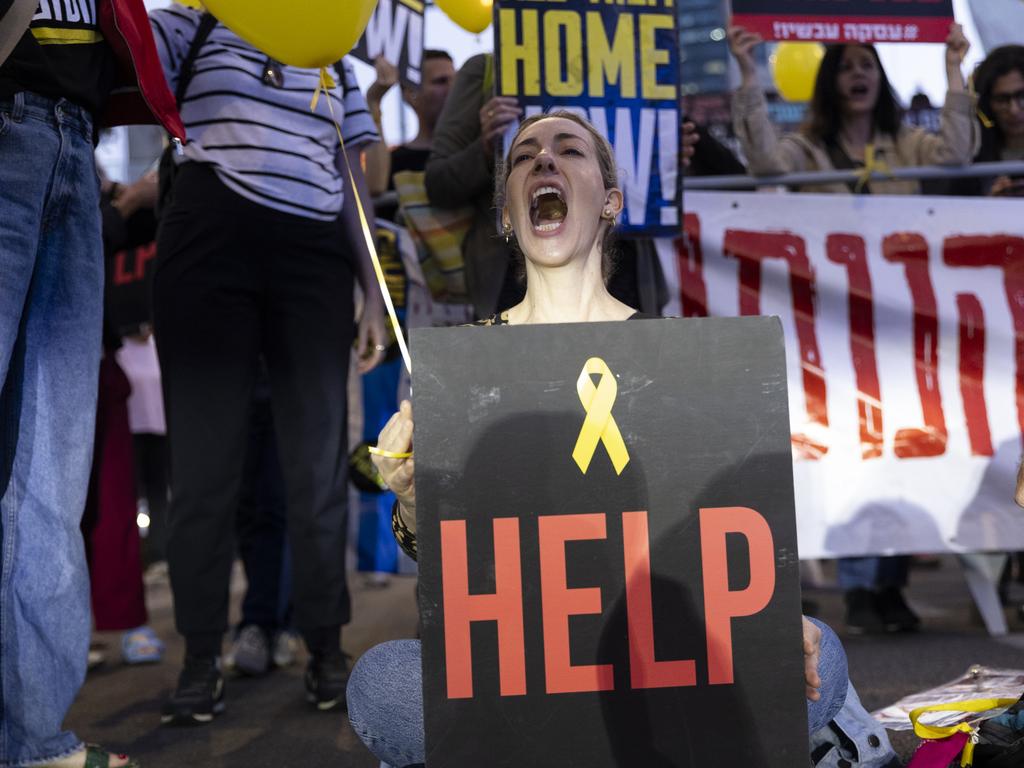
(256,256)
(999,81)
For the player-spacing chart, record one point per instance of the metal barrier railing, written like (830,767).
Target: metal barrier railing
(920,173)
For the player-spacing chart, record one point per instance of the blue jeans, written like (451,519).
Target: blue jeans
(873,572)
(51,291)
(385,704)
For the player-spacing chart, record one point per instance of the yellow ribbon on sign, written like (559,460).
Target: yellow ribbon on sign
(871,165)
(599,425)
(926,731)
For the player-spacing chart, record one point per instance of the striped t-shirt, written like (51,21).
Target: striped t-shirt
(264,142)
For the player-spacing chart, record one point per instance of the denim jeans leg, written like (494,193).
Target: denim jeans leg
(858,572)
(385,702)
(50,315)
(835,679)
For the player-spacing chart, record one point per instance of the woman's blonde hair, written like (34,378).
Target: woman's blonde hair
(609,174)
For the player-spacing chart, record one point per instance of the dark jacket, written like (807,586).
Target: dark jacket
(460,174)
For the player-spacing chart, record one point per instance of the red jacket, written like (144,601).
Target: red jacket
(141,94)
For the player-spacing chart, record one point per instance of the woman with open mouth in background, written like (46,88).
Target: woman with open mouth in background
(559,198)
(852,114)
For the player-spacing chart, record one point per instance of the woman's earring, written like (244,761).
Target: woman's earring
(507,231)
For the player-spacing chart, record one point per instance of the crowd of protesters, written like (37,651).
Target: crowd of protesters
(226,408)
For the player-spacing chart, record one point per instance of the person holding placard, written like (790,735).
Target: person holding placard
(559,199)
(853,121)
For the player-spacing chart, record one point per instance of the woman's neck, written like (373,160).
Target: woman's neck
(571,293)
(857,131)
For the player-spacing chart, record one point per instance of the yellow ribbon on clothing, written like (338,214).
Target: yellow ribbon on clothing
(599,425)
(326,84)
(871,165)
(926,731)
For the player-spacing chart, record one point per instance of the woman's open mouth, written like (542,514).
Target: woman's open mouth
(859,90)
(548,210)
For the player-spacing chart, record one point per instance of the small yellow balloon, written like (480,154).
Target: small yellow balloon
(795,68)
(472,15)
(310,33)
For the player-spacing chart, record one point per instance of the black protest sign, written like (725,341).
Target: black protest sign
(395,31)
(616,65)
(607,546)
(847,21)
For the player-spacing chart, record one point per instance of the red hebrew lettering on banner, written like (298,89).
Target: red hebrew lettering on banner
(752,248)
(972,372)
(849,251)
(560,602)
(690,260)
(461,609)
(1005,252)
(922,358)
(911,250)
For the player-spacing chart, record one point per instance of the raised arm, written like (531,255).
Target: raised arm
(765,152)
(461,166)
(959,136)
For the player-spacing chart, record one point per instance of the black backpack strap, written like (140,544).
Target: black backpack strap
(206,24)
(339,71)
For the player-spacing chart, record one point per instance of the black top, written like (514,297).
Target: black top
(63,55)
(407,159)
(402,159)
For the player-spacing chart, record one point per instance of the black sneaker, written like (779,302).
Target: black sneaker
(326,678)
(862,615)
(199,696)
(896,614)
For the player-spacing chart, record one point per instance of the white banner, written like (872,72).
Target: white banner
(904,324)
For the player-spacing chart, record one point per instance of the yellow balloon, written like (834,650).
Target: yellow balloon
(795,68)
(472,15)
(190,4)
(310,33)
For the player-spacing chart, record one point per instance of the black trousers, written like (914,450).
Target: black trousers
(235,280)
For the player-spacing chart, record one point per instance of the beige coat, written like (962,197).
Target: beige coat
(956,143)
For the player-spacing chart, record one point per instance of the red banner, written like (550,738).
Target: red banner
(846,21)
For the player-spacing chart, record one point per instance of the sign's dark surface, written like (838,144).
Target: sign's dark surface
(849,21)
(609,582)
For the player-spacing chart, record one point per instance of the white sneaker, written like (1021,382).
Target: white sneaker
(286,648)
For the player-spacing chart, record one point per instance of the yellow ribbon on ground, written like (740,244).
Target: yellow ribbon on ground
(599,425)
(871,165)
(926,731)
(326,84)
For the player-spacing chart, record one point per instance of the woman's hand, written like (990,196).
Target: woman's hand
(398,473)
(742,44)
(812,653)
(372,340)
(690,139)
(957,46)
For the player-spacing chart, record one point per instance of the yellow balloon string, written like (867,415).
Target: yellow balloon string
(871,165)
(599,425)
(326,84)
(926,731)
